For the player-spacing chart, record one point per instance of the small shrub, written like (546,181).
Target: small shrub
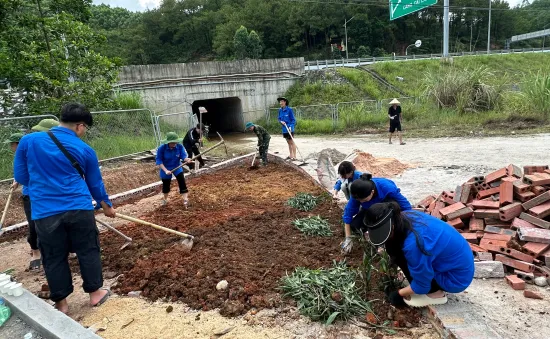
(313,226)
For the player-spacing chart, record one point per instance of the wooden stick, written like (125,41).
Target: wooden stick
(139,221)
(6,207)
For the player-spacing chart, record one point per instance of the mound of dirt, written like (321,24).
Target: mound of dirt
(378,167)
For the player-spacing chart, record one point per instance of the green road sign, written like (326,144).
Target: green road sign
(399,8)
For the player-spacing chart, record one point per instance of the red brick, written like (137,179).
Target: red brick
(515,282)
(501,237)
(496,175)
(484,242)
(426,201)
(487,192)
(470,237)
(506,193)
(463,213)
(431,207)
(517,223)
(533,169)
(483,256)
(536,201)
(511,211)
(448,194)
(447,200)
(520,265)
(520,187)
(545,257)
(532,295)
(491,221)
(534,234)
(537,179)
(500,230)
(476,224)
(525,196)
(456,223)
(511,253)
(476,248)
(485,204)
(514,171)
(438,206)
(464,193)
(538,190)
(541,211)
(451,208)
(535,249)
(485,213)
(534,220)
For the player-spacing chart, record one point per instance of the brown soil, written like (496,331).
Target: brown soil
(118,178)
(378,167)
(244,235)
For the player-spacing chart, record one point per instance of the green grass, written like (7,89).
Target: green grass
(118,145)
(370,87)
(304,93)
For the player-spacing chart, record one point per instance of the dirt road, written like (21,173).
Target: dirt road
(439,164)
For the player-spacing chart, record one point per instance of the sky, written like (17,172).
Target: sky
(142,5)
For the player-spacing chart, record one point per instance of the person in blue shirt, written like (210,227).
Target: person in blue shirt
(348,173)
(432,255)
(366,191)
(286,117)
(61,192)
(169,156)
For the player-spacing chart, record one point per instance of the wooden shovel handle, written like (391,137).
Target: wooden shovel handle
(139,221)
(6,208)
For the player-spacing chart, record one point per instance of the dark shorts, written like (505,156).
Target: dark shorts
(395,126)
(287,136)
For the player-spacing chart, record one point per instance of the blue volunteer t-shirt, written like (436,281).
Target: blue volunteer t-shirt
(170,158)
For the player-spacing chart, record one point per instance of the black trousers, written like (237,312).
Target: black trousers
(32,237)
(192,151)
(181,183)
(71,231)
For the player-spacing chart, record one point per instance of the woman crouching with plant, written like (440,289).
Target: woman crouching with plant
(432,255)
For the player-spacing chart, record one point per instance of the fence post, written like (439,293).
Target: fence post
(317,64)
(373,59)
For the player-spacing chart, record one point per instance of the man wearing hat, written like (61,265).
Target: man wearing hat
(191,142)
(45,125)
(286,118)
(394,113)
(169,156)
(263,140)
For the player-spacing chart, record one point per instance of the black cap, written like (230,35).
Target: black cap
(283,98)
(378,221)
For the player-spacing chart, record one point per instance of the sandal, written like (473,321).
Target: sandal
(186,203)
(104,299)
(403,143)
(35,264)
(422,300)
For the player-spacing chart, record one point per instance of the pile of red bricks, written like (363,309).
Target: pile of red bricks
(505,216)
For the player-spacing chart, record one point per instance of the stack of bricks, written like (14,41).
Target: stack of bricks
(505,216)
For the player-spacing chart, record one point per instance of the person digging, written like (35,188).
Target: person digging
(62,174)
(192,141)
(394,113)
(263,140)
(432,255)
(169,156)
(286,116)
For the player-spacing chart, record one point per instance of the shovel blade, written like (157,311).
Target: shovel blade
(125,245)
(187,243)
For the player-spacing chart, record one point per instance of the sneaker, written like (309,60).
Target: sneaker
(164,202)
(403,143)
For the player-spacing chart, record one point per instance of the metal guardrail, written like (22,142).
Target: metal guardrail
(321,64)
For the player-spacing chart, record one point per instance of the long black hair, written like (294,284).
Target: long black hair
(402,225)
(346,167)
(362,187)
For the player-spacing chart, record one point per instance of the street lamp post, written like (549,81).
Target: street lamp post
(544,38)
(346,29)
(416,44)
(489,31)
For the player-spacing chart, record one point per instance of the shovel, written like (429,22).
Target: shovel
(252,166)
(222,142)
(127,238)
(187,242)
(6,208)
(291,137)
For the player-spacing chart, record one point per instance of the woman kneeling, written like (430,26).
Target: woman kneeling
(432,255)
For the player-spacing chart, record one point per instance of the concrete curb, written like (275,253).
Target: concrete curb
(45,319)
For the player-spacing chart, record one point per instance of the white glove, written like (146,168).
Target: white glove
(346,245)
(392,117)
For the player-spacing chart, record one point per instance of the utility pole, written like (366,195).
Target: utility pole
(489,31)
(446,28)
(346,29)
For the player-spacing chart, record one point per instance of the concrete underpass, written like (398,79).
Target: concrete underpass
(224,115)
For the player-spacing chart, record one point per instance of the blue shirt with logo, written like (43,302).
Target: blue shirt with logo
(53,184)
(287,115)
(170,158)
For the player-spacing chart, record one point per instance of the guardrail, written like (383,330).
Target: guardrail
(320,64)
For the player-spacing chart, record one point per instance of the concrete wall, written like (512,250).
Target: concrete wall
(173,88)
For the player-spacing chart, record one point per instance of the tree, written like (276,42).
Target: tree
(50,58)
(363,52)
(240,43)
(254,45)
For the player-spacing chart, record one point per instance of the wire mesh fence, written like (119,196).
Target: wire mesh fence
(174,122)
(9,126)
(121,133)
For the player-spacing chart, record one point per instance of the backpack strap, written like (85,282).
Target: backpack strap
(63,150)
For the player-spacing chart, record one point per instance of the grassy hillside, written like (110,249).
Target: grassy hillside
(476,94)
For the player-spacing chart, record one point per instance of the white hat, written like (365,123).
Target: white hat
(395,102)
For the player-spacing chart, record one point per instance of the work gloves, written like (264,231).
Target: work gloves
(395,299)
(347,245)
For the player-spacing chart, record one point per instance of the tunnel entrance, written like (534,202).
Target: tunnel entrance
(224,115)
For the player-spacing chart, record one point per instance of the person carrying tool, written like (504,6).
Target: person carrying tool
(394,113)
(365,192)
(62,175)
(286,116)
(169,156)
(348,173)
(263,140)
(432,255)
(192,141)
